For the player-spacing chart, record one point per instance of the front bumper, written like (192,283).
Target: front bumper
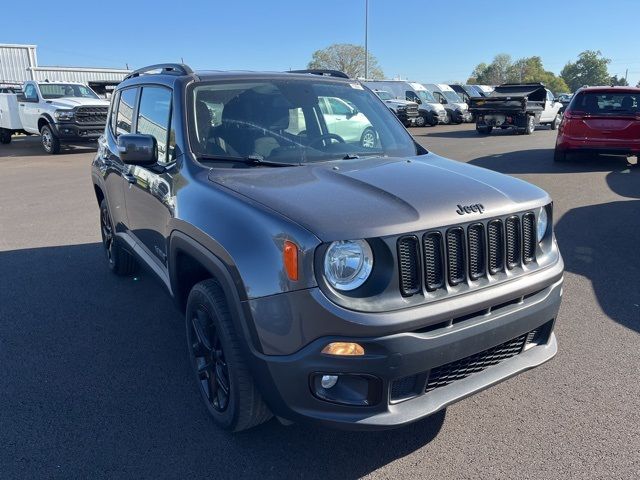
(286,380)
(71,132)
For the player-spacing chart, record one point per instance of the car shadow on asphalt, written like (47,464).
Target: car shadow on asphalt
(31,147)
(541,161)
(600,242)
(95,381)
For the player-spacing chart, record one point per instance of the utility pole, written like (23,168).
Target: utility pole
(366,38)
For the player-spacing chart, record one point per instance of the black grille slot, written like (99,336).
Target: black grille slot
(476,251)
(456,255)
(529,237)
(449,373)
(496,246)
(408,256)
(433,261)
(91,115)
(514,242)
(404,387)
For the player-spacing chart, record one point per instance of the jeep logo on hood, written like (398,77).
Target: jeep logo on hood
(476,207)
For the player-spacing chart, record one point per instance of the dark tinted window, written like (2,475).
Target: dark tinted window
(153,116)
(623,103)
(125,110)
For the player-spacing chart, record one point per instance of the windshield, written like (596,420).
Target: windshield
(426,96)
(452,96)
(384,95)
(58,90)
(292,121)
(618,103)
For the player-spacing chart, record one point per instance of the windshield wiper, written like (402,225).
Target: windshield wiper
(355,156)
(254,160)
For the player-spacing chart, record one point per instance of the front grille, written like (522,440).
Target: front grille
(94,115)
(463,253)
(409,260)
(433,261)
(528,237)
(449,373)
(455,255)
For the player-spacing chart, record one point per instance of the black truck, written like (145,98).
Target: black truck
(516,106)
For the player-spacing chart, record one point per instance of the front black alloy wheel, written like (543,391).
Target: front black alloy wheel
(208,360)
(223,377)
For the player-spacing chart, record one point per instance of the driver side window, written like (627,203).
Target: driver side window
(30,93)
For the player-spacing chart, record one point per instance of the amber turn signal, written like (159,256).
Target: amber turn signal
(290,259)
(343,348)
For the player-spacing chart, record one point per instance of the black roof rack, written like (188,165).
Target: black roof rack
(323,72)
(166,68)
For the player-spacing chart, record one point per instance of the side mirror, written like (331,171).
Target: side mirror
(138,149)
(418,101)
(352,112)
(443,101)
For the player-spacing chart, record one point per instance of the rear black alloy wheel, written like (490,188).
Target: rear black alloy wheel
(121,262)
(207,357)
(106,230)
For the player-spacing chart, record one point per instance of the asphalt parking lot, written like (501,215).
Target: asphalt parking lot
(95,380)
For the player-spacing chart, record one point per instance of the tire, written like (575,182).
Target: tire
(484,129)
(432,119)
(368,138)
(5,136)
(50,142)
(559,156)
(556,122)
(223,378)
(120,261)
(421,121)
(531,125)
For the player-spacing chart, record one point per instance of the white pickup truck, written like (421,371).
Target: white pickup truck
(61,113)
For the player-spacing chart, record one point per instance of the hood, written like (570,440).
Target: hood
(378,197)
(71,102)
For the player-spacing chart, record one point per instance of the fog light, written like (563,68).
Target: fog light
(343,348)
(328,381)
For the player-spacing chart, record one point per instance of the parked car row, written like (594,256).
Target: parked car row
(437,103)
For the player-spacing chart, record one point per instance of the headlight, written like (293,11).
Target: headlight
(543,222)
(64,114)
(348,264)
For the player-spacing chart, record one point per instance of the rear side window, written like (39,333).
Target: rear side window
(154,116)
(125,111)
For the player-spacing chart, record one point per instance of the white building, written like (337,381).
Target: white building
(20,62)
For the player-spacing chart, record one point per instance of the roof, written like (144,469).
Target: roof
(605,88)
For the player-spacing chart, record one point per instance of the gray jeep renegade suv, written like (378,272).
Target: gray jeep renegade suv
(357,284)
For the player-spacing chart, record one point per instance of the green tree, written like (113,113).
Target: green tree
(589,69)
(347,58)
(494,73)
(524,70)
(618,82)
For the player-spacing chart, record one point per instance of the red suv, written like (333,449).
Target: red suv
(602,120)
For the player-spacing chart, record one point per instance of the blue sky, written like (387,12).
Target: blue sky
(429,41)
